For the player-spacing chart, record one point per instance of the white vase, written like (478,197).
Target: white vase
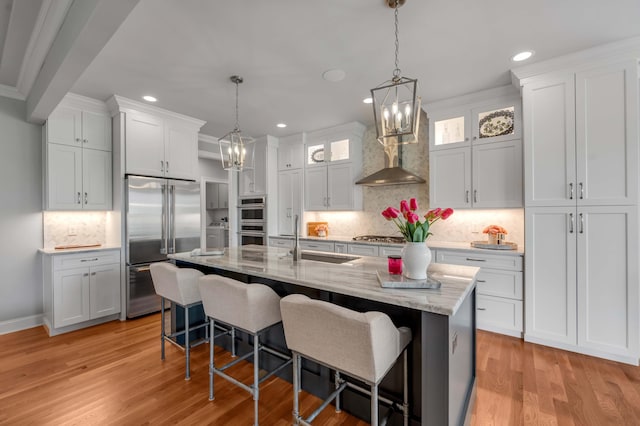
(416,257)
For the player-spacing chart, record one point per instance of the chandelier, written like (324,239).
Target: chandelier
(236,151)
(396,107)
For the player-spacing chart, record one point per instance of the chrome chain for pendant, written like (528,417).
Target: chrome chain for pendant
(396,72)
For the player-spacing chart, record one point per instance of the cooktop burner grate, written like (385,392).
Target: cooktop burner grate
(379,239)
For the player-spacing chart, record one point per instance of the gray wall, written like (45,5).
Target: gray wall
(211,168)
(20,212)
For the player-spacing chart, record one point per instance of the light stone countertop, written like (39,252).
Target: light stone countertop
(52,251)
(458,246)
(356,278)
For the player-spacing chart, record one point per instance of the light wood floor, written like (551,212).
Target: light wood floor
(112,374)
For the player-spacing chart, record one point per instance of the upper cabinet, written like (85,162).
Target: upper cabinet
(262,177)
(78,160)
(157,142)
(475,151)
(291,152)
(333,162)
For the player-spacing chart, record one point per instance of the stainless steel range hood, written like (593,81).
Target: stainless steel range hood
(393,173)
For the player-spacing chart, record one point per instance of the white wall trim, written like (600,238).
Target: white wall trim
(18,324)
(119,104)
(11,92)
(475,99)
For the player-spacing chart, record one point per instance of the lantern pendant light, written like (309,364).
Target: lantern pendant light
(396,106)
(236,151)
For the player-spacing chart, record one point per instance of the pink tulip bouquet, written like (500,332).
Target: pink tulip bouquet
(408,221)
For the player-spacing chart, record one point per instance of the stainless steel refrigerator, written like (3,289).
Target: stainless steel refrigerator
(162,217)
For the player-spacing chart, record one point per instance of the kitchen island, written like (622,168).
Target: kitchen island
(441,355)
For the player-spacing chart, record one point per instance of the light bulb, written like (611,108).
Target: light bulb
(394,108)
(407,110)
(385,114)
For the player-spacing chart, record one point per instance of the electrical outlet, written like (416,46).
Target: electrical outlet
(72,230)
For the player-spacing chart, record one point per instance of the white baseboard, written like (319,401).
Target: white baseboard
(18,324)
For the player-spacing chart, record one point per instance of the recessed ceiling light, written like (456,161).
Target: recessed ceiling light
(281,125)
(367,100)
(149,98)
(334,75)
(522,56)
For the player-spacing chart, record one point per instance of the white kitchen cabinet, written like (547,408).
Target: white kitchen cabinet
(256,181)
(475,153)
(327,246)
(81,289)
(499,304)
(289,200)
(217,195)
(582,279)
(291,152)
(73,126)
(581,137)
(384,251)
(157,142)
(362,249)
(340,248)
(333,162)
(281,242)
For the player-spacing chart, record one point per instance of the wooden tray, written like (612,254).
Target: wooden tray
(311,228)
(486,245)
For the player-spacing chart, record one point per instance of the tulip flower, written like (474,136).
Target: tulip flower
(446,213)
(408,222)
(413,218)
(404,207)
(413,204)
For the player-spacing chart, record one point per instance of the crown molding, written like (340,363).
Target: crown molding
(475,99)
(11,92)
(119,104)
(83,102)
(616,51)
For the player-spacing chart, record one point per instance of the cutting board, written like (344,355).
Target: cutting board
(311,228)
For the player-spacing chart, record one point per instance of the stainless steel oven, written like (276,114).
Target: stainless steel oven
(252,213)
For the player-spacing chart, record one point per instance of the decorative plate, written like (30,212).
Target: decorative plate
(317,156)
(498,123)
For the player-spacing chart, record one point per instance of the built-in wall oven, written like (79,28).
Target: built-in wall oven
(252,216)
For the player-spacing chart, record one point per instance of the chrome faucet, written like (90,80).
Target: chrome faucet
(296,248)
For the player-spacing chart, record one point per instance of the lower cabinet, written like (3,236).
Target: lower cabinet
(317,245)
(499,306)
(80,289)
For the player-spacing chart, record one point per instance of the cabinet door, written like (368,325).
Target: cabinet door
(315,188)
(607,135)
(363,249)
(608,279)
(496,122)
(212,195)
(181,152)
(285,203)
(340,187)
(96,131)
(223,196)
(144,145)
(104,290)
(450,178)
(64,127)
(449,130)
(497,175)
(70,297)
(64,177)
(96,179)
(550,275)
(549,142)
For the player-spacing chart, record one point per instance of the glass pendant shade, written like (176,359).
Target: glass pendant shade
(396,111)
(237,151)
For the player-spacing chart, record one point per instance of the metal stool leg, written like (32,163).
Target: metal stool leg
(337,385)
(374,405)
(296,386)
(212,334)
(162,331)
(256,370)
(405,396)
(233,342)
(186,342)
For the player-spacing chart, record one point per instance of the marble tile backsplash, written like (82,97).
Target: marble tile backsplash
(86,227)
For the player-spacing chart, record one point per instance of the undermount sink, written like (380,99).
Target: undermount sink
(328,257)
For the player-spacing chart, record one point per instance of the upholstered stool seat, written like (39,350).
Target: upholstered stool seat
(180,286)
(252,308)
(364,346)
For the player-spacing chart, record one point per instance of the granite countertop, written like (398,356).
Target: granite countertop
(458,246)
(52,251)
(356,278)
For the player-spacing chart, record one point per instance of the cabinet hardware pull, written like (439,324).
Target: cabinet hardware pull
(86,198)
(89,260)
(481,309)
(581,191)
(167,167)
(481,281)
(466,197)
(475,137)
(571,223)
(161,166)
(78,197)
(328,202)
(467,138)
(85,274)
(475,195)
(571,191)
(85,140)
(93,273)
(581,223)
(476,260)
(77,139)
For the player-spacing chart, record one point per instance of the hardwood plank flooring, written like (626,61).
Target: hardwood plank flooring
(112,374)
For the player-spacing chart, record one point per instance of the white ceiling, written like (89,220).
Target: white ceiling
(183,52)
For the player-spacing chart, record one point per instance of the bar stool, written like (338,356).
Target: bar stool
(179,285)
(252,308)
(362,345)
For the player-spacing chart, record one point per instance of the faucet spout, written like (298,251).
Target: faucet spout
(296,248)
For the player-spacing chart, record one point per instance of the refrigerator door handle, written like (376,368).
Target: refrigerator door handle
(163,236)
(172,215)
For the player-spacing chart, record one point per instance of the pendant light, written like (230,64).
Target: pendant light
(396,106)
(236,151)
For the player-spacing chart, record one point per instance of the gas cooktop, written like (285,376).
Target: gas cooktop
(379,239)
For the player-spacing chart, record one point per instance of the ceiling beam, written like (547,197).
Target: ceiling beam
(21,23)
(87,28)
